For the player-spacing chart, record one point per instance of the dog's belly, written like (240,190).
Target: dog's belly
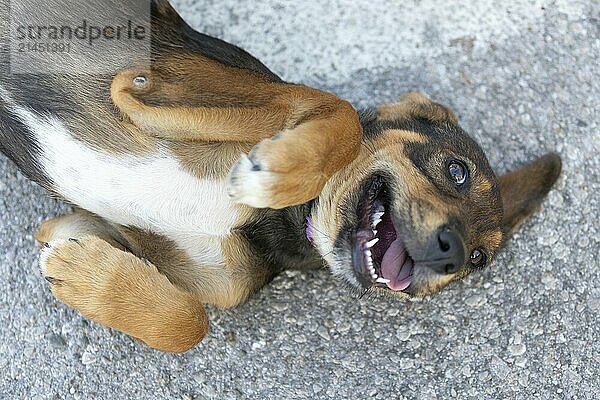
(149,191)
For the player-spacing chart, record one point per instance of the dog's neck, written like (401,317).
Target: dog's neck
(281,237)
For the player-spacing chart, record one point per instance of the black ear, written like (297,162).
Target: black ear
(524,190)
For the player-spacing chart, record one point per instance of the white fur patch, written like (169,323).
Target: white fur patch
(46,252)
(249,186)
(151,191)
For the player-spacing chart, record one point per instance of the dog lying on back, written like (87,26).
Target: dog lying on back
(169,217)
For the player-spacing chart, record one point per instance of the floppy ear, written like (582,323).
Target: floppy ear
(417,105)
(524,190)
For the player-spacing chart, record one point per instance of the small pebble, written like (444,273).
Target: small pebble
(88,358)
(56,341)
(322,331)
(517,349)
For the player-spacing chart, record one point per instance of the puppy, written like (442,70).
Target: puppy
(169,217)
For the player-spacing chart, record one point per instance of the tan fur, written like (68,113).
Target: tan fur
(116,282)
(208,282)
(303,159)
(221,285)
(93,272)
(235,105)
(78,224)
(417,105)
(494,239)
(211,160)
(484,186)
(402,135)
(119,290)
(224,285)
(246,270)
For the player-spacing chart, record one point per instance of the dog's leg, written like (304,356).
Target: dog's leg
(116,288)
(304,135)
(187,123)
(292,167)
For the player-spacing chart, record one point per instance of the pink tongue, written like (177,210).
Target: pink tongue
(395,266)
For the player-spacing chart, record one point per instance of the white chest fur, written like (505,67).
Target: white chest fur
(150,191)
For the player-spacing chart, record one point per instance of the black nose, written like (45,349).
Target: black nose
(446,253)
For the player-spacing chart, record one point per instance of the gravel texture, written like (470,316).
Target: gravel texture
(523,78)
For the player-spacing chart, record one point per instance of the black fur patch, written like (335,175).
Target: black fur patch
(38,93)
(279,237)
(225,53)
(369,122)
(170,28)
(18,144)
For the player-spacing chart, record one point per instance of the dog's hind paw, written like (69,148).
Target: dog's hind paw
(66,263)
(117,289)
(46,253)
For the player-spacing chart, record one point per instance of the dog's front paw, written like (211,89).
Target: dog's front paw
(275,175)
(250,185)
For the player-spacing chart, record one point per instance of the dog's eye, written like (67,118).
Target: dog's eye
(478,258)
(458,172)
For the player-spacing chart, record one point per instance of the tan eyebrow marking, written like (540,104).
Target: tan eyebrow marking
(407,135)
(495,238)
(484,186)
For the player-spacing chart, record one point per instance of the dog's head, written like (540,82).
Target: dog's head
(420,207)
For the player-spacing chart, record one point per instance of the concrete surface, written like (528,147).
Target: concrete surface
(523,77)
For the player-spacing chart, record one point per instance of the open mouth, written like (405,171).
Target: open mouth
(379,254)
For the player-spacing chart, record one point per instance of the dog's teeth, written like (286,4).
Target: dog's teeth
(376,217)
(376,222)
(371,243)
(368,253)
(383,280)
(374,232)
(374,276)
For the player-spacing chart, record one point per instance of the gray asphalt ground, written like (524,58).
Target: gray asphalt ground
(523,77)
